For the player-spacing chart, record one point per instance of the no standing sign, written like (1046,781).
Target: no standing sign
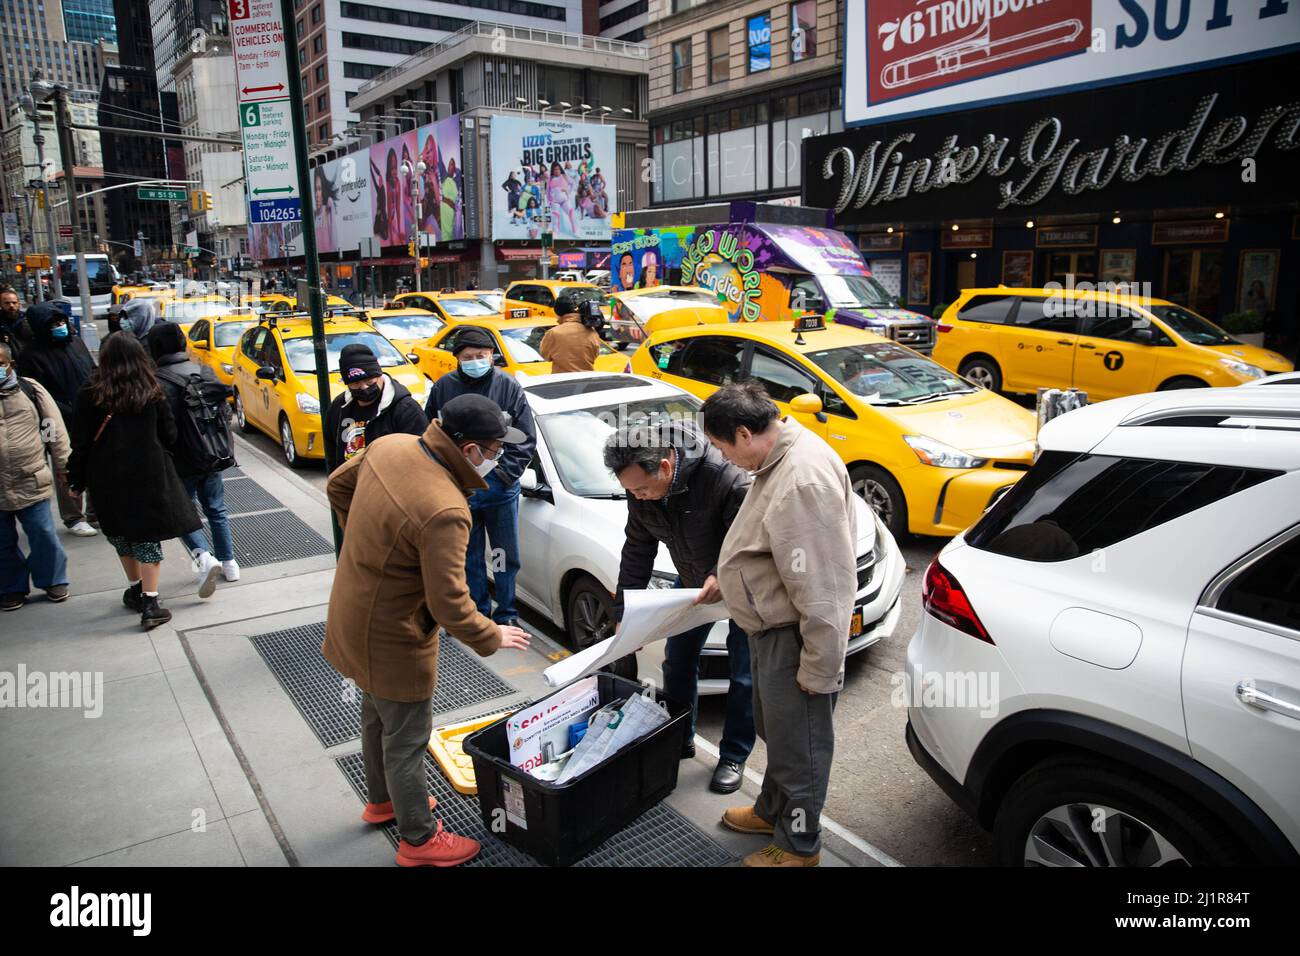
(265,121)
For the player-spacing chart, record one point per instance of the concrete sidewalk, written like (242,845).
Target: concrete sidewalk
(200,757)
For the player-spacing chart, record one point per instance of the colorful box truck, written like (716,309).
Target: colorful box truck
(765,263)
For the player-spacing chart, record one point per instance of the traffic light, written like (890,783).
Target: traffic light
(40,199)
(410,248)
(207,201)
(200,200)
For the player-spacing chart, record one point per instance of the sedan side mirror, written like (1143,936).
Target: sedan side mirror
(806,404)
(200,344)
(266,373)
(1144,336)
(528,481)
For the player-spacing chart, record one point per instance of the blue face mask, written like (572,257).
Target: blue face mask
(476,368)
(59,331)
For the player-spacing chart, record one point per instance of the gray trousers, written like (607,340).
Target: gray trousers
(394,737)
(800,736)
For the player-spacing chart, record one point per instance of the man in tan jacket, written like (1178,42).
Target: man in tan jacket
(401,576)
(788,573)
(570,346)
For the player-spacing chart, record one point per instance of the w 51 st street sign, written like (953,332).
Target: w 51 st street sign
(265,121)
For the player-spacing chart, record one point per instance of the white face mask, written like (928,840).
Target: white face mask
(486,465)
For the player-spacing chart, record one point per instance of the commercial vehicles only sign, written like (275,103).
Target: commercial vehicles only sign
(265,120)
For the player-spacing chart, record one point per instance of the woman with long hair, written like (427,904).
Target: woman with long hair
(379,204)
(123,434)
(393,191)
(324,196)
(559,192)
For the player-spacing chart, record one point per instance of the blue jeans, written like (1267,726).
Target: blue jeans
(46,566)
(495,512)
(682,682)
(211,493)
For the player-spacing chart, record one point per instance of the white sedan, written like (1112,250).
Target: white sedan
(573,512)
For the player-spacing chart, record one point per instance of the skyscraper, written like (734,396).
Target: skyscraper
(89,20)
(33,36)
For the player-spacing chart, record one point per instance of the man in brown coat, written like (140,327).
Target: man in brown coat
(400,577)
(571,346)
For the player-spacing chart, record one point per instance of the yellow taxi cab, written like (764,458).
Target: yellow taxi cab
(331,301)
(406,327)
(267,300)
(212,341)
(927,450)
(275,377)
(539,295)
(1104,343)
(121,293)
(637,313)
(449,304)
(518,344)
(187,310)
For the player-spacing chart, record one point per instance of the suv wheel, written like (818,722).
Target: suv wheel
(287,446)
(1182,381)
(982,371)
(240,417)
(1075,812)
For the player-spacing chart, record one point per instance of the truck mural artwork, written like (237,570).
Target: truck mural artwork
(718,262)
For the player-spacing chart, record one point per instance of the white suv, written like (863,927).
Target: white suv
(1127,617)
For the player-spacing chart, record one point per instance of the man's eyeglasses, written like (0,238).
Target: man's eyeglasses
(490,455)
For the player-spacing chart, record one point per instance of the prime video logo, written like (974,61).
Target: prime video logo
(82,690)
(74,909)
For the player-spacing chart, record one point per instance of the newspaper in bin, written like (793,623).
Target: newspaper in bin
(611,732)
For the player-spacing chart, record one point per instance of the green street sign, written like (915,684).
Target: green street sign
(548,240)
(161,194)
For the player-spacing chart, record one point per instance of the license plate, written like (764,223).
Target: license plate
(855,623)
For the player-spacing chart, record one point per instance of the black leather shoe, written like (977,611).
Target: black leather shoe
(688,751)
(727,777)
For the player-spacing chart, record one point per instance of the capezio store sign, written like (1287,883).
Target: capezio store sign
(1226,135)
(911,57)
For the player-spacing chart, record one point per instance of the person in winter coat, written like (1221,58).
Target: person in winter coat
(570,346)
(400,580)
(681,492)
(495,509)
(59,360)
(14,330)
(137,316)
(374,405)
(29,422)
(167,345)
(123,434)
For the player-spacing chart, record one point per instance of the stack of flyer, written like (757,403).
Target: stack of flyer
(530,730)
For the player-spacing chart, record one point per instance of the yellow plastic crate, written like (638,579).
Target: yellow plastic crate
(445,747)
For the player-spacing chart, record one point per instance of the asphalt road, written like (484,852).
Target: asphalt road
(876,789)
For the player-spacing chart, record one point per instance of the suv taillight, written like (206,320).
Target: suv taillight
(943,328)
(943,597)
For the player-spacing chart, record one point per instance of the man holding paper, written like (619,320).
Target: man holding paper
(682,492)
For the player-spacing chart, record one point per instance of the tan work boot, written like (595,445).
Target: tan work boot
(773,855)
(745,820)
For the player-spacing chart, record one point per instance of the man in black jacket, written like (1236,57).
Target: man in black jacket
(166,342)
(14,330)
(374,405)
(58,359)
(494,510)
(682,492)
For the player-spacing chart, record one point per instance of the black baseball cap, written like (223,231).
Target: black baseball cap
(471,417)
(471,336)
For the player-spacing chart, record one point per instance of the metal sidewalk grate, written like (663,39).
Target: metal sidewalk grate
(659,837)
(233,473)
(244,495)
(332,708)
(273,537)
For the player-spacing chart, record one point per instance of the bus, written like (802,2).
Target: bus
(101,276)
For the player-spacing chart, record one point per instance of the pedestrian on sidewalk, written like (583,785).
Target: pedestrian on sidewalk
(14,330)
(681,492)
(195,464)
(400,577)
(375,404)
(59,360)
(571,345)
(123,436)
(495,510)
(788,572)
(29,422)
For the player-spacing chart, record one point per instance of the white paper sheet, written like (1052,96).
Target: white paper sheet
(649,615)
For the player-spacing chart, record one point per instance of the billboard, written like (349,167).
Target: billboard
(392,192)
(552,170)
(758,31)
(910,57)
(352,216)
(642,258)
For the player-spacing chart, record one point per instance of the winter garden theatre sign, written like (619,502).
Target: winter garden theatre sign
(1219,137)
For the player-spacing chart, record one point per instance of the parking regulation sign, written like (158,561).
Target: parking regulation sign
(265,123)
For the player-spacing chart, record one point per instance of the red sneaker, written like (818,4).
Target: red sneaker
(441,849)
(383,812)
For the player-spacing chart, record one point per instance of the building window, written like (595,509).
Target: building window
(320,103)
(622,16)
(759,42)
(302,54)
(315,14)
(803,30)
(681,66)
(719,65)
(387,44)
(402,18)
(362,71)
(320,73)
(317,43)
(300,29)
(323,132)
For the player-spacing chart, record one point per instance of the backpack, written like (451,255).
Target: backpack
(203,431)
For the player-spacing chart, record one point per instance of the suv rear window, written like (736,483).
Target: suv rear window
(993,309)
(1071,504)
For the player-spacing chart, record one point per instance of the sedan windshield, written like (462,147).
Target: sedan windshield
(886,374)
(191,311)
(645,307)
(408,326)
(525,344)
(302,359)
(576,439)
(848,292)
(467,308)
(1189,326)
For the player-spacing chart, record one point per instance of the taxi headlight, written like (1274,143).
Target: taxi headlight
(1243,369)
(936,453)
(308,405)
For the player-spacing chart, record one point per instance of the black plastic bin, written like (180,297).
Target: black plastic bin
(562,823)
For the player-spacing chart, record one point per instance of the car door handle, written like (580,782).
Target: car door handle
(1064,342)
(1086,345)
(1252,696)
